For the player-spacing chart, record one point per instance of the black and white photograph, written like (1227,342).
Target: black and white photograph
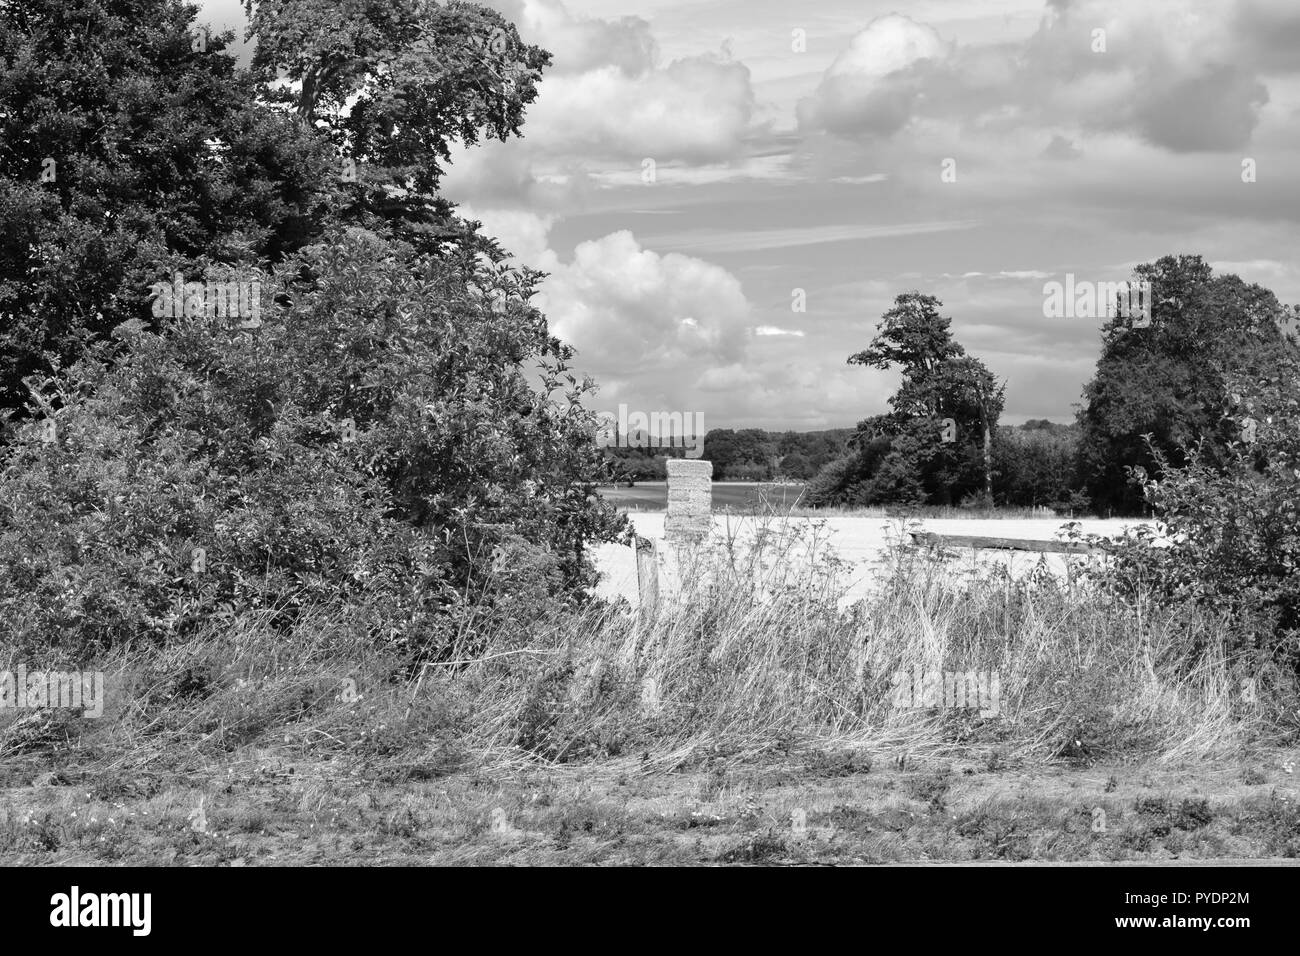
(639,434)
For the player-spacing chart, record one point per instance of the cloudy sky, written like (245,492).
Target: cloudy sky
(796,153)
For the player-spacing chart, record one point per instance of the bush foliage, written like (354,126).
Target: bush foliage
(1232,519)
(377,445)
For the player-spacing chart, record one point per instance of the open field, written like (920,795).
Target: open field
(744,496)
(863,544)
(757,497)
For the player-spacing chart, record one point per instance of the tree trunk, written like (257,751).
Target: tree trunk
(988,449)
(988,462)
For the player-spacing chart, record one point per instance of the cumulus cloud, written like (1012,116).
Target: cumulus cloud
(1179,78)
(606,95)
(874,86)
(522,234)
(1214,109)
(579,44)
(603,107)
(629,310)
(1161,70)
(698,109)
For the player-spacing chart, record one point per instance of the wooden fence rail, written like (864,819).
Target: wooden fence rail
(930,539)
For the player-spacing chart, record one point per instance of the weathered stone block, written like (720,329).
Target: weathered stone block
(690,498)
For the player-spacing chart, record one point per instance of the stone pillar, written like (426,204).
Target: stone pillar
(690,499)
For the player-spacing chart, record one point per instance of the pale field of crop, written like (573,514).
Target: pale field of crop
(863,543)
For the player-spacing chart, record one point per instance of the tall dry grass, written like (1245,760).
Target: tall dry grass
(755,656)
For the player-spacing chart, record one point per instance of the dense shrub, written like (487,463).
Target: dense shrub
(377,445)
(637,464)
(1235,528)
(828,486)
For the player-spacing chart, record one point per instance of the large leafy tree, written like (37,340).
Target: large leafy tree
(1168,381)
(390,84)
(934,443)
(130,145)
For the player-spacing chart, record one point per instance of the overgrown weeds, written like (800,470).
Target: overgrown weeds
(754,657)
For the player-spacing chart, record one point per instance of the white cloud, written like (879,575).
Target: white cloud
(521,233)
(730,378)
(606,94)
(1170,74)
(631,311)
(580,43)
(697,109)
(1178,77)
(874,86)
(888,44)
(752,168)
(1270,266)
(861,180)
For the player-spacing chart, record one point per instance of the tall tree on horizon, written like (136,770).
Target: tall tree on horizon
(1168,380)
(935,443)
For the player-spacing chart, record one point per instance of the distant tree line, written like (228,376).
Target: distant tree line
(1033,464)
(746,454)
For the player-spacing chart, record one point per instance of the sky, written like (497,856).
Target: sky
(727,194)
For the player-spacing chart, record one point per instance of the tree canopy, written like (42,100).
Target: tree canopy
(1169,380)
(928,448)
(390,84)
(130,146)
